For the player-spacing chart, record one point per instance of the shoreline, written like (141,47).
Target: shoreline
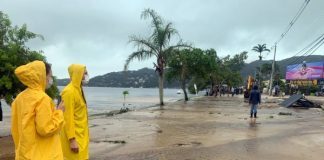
(5,124)
(197,128)
(206,128)
(121,111)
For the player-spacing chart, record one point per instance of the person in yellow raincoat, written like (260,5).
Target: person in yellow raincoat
(36,123)
(75,135)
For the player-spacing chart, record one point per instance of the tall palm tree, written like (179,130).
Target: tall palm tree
(156,45)
(260,48)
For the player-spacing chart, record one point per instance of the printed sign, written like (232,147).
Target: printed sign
(305,71)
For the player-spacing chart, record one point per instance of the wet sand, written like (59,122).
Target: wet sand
(207,128)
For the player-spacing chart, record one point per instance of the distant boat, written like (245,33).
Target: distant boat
(179,92)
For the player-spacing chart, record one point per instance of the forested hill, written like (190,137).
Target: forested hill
(250,69)
(143,78)
(147,78)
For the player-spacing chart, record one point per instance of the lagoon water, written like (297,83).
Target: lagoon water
(104,99)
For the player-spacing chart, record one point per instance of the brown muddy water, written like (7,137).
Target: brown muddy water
(207,128)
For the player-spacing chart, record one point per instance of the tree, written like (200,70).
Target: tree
(125,93)
(14,53)
(266,69)
(189,65)
(236,63)
(260,48)
(230,68)
(156,45)
(204,68)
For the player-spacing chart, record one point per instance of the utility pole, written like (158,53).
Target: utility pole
(273,69)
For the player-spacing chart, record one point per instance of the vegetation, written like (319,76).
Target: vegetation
(125,93)
(156,45)
(142,78)
(13,53)
(204,68)
(231,69)
(191,65)
(260,48)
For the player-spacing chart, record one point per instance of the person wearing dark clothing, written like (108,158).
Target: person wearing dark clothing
(255,99)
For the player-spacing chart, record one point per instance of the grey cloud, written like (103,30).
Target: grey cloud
(96,32)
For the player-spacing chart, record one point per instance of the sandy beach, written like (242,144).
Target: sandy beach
(205,128)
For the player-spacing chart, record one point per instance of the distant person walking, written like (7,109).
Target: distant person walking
(35,123)
(233,91)
(255,100)
(75,135)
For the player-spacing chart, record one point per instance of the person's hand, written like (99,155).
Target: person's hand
(61,106)
(74,145)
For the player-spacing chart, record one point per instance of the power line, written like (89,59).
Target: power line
(309,52)
(319,43)
(293,21)
(307,47)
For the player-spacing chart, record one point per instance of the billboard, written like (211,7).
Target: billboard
(302,71)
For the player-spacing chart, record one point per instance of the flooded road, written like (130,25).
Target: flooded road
(206,128)
(210,128)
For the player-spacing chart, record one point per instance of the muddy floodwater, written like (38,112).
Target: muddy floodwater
(209,128)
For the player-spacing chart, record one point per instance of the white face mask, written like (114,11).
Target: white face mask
(49,83)
(86,80)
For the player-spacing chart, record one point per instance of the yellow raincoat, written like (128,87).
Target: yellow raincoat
(35,123)
(75,116)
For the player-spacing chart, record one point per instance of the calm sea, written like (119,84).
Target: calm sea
(103,99)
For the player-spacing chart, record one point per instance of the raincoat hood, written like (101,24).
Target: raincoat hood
(32,75)
(76,72)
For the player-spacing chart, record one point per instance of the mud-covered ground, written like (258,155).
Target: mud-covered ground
(205,128)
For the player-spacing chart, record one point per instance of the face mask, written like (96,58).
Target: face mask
(86,80)
(49,83)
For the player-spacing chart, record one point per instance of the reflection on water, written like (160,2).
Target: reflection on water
(251,144)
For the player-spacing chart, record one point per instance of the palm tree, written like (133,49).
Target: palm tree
(156,45)
(260,48)
(125,93)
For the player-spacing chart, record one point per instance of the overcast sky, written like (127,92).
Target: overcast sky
(96,33)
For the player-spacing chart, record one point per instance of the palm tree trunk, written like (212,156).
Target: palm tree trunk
(161,89)
(183,86)
(260,78)
(260,72)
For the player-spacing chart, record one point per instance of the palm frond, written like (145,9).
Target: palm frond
(256,48)
(156,19)
(260,48)
(140,55)
(143,43)
(156,37)
(167,33)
